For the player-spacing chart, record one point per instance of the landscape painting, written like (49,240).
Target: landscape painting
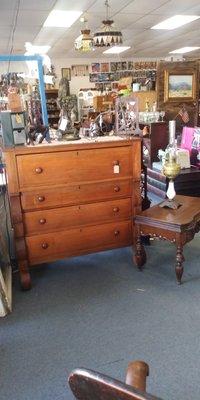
(178,87)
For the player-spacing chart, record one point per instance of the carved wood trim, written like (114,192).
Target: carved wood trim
(11,172)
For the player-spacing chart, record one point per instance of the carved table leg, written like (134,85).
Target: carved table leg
(140,255)
(24,275)
(179,262)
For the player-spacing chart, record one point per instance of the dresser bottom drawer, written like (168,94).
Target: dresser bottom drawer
(74,242)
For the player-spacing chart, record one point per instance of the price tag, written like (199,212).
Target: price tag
(116,169)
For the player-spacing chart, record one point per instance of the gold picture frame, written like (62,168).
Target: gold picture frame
(179,86)
(66,73)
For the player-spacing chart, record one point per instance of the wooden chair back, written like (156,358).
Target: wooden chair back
(91,385)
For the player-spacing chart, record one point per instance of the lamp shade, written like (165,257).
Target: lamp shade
(108,36)
(84,43)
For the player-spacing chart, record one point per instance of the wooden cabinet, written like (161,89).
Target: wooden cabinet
(102,103)
(149,96)
(68,200)
(156,139)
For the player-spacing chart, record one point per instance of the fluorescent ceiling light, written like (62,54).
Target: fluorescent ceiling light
(116,49)
(183,50)
(175,21)
(62,19)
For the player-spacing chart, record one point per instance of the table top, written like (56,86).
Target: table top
(187,213)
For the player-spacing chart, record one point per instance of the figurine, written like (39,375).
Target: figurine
(67,126)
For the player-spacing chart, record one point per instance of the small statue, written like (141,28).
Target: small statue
(67,127)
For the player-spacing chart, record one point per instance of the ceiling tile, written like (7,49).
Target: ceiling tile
(134,18)
(143,6)
(174,7)
(41,5)
(31,17)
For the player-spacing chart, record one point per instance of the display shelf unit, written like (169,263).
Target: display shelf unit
(52,107)
(85,102)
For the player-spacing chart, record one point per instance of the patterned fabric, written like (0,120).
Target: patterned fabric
(196,139)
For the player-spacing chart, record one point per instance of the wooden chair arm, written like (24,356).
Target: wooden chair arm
(136,374)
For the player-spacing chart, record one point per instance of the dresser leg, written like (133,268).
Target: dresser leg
(179,262)
(24,275)
(140,254)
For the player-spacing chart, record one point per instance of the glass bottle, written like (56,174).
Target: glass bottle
(171,150)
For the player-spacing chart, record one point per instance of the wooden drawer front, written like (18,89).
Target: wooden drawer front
(73,166)
(52,246)
(75,194)
(63,218)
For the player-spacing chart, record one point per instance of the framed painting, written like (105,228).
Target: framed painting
(80,70)
(130,65)
(104,67)
(179,87)
(66,73)
(95,67)
(113,66)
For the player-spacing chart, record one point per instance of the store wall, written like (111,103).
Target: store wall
(83,82)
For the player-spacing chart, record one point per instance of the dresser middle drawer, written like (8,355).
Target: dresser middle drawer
(57,219)
(75,194)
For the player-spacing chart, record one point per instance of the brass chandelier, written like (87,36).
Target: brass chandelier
(108,36)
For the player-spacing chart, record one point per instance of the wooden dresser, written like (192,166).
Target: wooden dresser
(72,199)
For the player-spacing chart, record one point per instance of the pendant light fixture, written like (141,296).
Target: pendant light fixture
(108,36)
(84,42)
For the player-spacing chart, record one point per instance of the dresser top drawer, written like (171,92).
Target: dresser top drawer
(35,170)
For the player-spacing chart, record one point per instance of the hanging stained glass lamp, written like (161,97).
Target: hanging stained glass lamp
(84,42)
(107,36)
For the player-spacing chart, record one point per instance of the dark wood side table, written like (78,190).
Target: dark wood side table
(177,226)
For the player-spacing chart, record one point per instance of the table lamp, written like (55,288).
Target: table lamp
(171,168)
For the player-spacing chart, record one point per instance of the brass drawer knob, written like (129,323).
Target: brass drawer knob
(38,170)
(117,233)
(41,198)
(45,245)
(116,162)
(42,221)
(116,188)
(116,209)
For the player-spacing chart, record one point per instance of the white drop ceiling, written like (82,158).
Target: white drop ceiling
(133,17)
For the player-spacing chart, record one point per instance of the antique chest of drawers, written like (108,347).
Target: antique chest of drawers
(72,199)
